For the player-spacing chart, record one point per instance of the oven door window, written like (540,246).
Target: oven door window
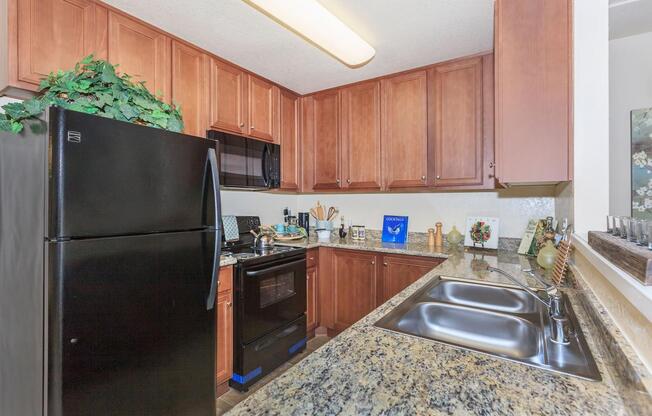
(275,289)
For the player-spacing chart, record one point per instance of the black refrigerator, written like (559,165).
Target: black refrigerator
(109,260)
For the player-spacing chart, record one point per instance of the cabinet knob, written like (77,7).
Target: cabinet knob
(73,340)
(311,258)
(348,181)
(385,264)
(491,164)
(373,262)
(423,178)
(229,304)
(241,124)
(338,181)
(438,177)
(252,127)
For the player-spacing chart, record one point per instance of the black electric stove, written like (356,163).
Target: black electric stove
(270,305)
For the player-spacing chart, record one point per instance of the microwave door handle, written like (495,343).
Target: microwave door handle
(265,167)
(212,161)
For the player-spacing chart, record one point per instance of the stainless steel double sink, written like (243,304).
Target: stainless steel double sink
(500,320)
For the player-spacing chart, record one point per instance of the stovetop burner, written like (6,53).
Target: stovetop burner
(249,252)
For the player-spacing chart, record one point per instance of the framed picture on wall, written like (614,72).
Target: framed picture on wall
(641,133)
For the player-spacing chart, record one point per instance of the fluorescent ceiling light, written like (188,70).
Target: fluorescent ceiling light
(311,20)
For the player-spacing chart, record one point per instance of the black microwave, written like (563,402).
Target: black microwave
(246,163)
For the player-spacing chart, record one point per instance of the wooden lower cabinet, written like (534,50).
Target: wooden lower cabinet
(354,286)
(352,283)
(224,328)
(312,292)
(399,272)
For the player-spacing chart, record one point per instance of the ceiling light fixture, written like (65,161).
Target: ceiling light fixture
(314,22)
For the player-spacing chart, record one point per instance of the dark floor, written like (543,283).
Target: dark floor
(232,397)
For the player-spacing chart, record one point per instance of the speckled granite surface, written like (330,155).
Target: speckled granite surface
(227,261)
(369,371)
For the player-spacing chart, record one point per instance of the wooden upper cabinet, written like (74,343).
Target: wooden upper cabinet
(228,98)
(533,53)
(354,286)
(456,118)
(140,51)
(405,130)
(399,272)
(53,35)
(360,123)
(325,140)
(190,80)
(288,109)
(262,108)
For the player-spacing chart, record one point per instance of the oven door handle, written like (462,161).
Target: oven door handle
(255,273)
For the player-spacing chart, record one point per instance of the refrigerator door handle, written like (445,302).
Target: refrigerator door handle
(212,160)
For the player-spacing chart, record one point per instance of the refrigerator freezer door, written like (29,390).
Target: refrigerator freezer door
(116,178)
(129,331)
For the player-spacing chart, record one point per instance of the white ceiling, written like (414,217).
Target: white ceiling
(405,33)
(629,17)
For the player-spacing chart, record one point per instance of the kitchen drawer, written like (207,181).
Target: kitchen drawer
(312,258)
(225,283)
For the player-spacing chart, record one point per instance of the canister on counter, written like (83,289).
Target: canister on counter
(362,234)
(354,232)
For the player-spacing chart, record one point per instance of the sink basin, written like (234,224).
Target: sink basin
(474,328)
(499,320)
(496,298)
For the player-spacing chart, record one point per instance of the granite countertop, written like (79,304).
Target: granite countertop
(227,261)
(368,370)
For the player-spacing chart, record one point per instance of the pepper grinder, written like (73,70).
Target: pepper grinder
(439,237)
(431,237)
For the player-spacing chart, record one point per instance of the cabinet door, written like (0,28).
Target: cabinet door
(262,109)
(399,272)
(190,75)
(455,108)
(312,303)
(56,34)
(326,141)
(227,97)
(405,130)
(224,359)
(289,138)
(140,51)
(354,285)
(533,53)
(361,163)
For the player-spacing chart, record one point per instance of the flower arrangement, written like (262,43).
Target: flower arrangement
(93,87)
(480,232)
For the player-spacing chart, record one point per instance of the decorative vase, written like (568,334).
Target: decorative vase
(454,237)
(547,255)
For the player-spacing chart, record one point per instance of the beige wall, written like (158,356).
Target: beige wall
(630,88)
(514,207)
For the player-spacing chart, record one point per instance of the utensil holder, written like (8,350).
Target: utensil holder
(324,224)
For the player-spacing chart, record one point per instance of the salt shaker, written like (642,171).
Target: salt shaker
(431,237)
(439,237)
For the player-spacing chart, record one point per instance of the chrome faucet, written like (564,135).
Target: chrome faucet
(561,328)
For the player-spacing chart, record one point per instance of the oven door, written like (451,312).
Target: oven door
(273,294)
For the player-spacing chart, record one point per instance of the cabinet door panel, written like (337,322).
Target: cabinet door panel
(354,281)
(405,130)
(289,138)
(190,72)
(533,53)
(400,272)
(361,163)
(227,97)
(262,109)
(326,141)
(455,91)
(142,52)
(56,34)
(224,359)
(312,302)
